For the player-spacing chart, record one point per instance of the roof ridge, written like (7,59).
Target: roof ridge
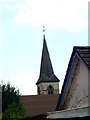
(81,47)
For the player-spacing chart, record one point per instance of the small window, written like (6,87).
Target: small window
(50,89)
(38,90)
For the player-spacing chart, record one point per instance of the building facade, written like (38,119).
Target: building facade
(74,102)
(75,90)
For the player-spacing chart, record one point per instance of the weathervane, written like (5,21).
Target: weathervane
(43,31)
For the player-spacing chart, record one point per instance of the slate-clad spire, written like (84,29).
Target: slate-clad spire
(46,66)
(46,69)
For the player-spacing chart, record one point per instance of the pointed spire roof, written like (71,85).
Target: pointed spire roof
(46,69)
(46,66)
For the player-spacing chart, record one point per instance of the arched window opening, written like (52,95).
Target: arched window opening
(39,90)
(50,89)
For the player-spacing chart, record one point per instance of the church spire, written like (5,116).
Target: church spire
(46,65)
(46,69)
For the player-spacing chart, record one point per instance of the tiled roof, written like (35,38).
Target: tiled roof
(84,55)
(46,69)
(39,104)
(44,78)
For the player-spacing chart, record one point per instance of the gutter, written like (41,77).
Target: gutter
(73,113)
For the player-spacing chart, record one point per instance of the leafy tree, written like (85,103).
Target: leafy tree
(13,112)
(11,102)
(9,95)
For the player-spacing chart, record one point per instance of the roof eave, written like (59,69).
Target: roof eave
(46,81)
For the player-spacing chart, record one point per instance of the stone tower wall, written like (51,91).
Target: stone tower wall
(44,87)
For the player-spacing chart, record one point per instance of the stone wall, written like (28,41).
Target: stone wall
(44,87)
(76,94)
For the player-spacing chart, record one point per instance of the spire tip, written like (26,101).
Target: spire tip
(43,31)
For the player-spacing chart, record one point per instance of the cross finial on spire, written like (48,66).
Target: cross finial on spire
(43,31)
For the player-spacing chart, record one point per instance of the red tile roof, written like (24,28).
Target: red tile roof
(39,104)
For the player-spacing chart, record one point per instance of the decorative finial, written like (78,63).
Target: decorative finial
(43,31)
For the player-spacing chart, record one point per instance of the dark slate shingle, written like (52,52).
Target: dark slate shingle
(84,53)
(46,69)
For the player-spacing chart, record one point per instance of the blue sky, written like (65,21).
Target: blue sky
(21,38)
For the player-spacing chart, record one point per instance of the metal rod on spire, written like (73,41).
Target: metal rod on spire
(43,31)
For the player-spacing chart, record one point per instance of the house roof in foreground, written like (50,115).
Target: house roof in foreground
(39,104)
(83,53)
(74,114)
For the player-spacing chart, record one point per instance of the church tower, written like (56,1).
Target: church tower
(47,83)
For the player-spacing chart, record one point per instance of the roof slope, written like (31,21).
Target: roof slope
(46,69)
(83,53)
(39,104)
(46,65)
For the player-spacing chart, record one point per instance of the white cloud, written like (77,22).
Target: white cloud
(68,15)
(0,77)
(19,6)
(10,1)
(25,82)
(8,6)
(15,7)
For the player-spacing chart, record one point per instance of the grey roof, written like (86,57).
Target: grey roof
(46,69)
(84,53)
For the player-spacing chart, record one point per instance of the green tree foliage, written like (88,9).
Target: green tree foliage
(13,112)
(9,95)
(11,103)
